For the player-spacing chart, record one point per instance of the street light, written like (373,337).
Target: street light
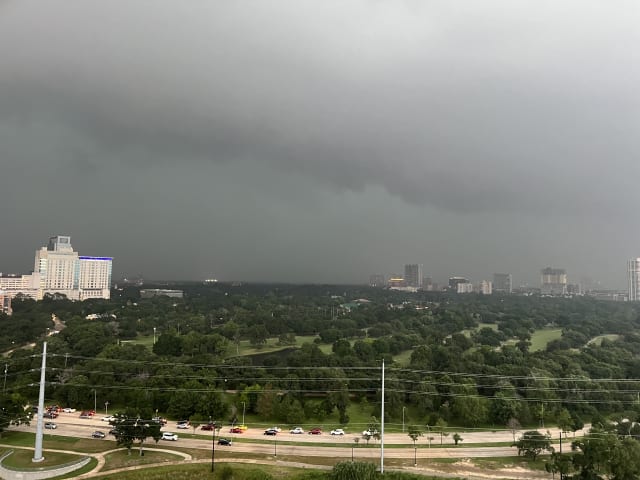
(154,335)
(403,419)
(213,450)
(106,407)
(243,409)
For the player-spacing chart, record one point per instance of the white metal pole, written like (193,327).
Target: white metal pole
(382,424)
(37,454)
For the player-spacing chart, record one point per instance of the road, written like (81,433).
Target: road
(69,424)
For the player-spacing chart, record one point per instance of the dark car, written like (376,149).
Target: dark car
(270,431)
(236,430)
(113,431)
(315,431)
(50,415)
(98,434)
(224,441)
(208,427)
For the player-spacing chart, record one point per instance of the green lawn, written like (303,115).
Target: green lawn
(57,442)
(22,459)
(540,338)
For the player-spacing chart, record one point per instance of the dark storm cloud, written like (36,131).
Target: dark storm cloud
(499,108)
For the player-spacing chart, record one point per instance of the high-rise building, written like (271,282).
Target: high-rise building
(455,281)
(58,269)
(633,278)
(554,281)
(377,280)
(413,275)
(502,282)
(485,287)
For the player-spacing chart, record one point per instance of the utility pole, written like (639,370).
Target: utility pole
(382,424)
(37,454)
(4,385)
(213,449)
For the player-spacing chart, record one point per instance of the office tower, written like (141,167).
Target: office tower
(95,277)
(502,282)
(554,281)
(376,280)
(633,278)
(485,287)
(455,281)
(464,287)
(61,270)
(57,265)
(427,284)
(413,275)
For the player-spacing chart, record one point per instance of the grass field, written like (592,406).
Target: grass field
(121,459)
(56,442)
(540,338)
(22,459)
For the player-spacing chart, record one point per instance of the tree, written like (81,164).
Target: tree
(441,427)
(129,429)
(532,443)
(514,425)
(12,411)
(414,433)
(457,438)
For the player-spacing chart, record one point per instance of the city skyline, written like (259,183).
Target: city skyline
(320,142)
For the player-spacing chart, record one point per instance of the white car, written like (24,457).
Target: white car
(69,410)
(337,431)
(369,433)
(108,418)
(277,429)
(169,436)
(296,430)
(183,426)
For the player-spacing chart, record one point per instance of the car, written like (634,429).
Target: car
(113,431)
(50,426)
(208,427)
(270,431)
(98,434)
(224,441)
(50,415)
(69,410)
(160,420)
(369,433)
(277,429)
(183,425)
(85,415)
(169,436)
(315,431)
(337,431)
(236,430)
(296,430)
(108,418)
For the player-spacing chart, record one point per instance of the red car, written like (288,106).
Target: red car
(208,427)
(236,430)
(315,431)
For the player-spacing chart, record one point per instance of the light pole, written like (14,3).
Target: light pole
(275,447)
(154,335)
(243,409)
(403,419)
(106,407)
(213,450)
(95,400)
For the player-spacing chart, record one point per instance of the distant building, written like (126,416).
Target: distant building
(413,275)
(159,292)
(554,281)
(454,281)
(25,285)
(396,281)
(377,280)
(502,283)
(428,285)
(485,287)
(633,279)
(58,269)
(464,287)
(5,303)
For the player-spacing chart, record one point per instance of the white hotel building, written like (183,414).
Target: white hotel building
(59,269)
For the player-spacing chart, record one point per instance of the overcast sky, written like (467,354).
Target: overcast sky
(323,141)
